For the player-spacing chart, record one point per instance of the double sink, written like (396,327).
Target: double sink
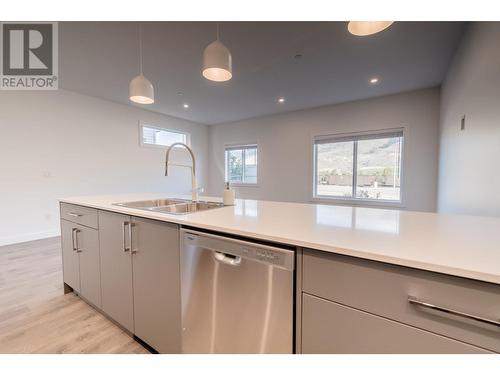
(171,206)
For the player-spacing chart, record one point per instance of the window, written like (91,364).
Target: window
(359,167)
(151,135)
(241,164)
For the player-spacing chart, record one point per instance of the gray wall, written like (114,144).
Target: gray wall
(60,143)
(285,145)
(469,181)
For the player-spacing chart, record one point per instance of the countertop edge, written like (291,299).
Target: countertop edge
(184,220)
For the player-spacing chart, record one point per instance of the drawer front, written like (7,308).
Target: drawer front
(80,215)
(384,289)
(330,328)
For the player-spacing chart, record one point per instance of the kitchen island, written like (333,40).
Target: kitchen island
(367,280)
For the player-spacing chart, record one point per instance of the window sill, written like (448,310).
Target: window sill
(243,184)
(163,147)
(358,202)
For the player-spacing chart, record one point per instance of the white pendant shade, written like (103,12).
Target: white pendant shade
(141,90)
(217,62)
(363,28)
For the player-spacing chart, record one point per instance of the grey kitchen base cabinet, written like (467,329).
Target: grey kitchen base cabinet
(140,278)
(156,285)
(116,268)
(328,327)
(395,294)
(80,251)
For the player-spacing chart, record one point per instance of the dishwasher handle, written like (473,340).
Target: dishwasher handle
(231,260)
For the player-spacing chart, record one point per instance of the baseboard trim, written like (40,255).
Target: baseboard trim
(28,237)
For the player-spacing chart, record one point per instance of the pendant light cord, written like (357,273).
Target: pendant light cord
(217,30)
(140,48)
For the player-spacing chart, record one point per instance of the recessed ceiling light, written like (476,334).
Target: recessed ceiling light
(185,105)
(281,100)
(374,80)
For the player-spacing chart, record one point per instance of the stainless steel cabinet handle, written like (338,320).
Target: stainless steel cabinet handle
(73,214)
(130,226)
(73,238)
(230,260)
(125,224)
(417,302)
(74,235)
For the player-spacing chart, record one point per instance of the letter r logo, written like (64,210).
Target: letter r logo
(27,49)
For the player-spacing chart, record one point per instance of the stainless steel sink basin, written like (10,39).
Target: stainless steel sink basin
(150,204)
(188,207)
(171,206)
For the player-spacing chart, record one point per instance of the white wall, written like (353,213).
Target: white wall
(469,181)
(285,145)
(57,144)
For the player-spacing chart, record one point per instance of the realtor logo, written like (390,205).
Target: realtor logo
(29,56)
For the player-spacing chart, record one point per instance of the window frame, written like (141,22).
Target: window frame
(401,203)
(236,146)
(143,124)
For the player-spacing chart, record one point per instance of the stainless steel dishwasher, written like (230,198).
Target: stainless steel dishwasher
(237,296)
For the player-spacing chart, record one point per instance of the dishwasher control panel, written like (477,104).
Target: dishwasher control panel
(266,254)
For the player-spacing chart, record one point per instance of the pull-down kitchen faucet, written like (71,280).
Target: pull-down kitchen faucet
(194,188)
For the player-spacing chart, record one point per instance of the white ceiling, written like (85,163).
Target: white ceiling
(100,58)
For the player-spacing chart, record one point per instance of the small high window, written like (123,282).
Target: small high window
(156,136)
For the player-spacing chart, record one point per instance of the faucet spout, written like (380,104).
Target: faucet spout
(194,186)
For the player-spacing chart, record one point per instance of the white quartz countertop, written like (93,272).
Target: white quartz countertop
(466,246)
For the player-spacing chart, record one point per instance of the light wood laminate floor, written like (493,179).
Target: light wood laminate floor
(36,316)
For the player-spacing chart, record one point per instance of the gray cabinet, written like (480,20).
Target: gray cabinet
(390,292)
(140,278)
(87,242)
(116,268)
(80,248)
(71,265)
(329,327)
(156,284)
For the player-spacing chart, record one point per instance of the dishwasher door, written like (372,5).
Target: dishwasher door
(237,296)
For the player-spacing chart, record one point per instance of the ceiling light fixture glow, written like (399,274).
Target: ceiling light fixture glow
(186,105)
(281,100)
(140,89)
(217,61)
(363,28)
(374,80)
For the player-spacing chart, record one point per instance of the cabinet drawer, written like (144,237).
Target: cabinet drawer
(80,215)
(330,328)
(383,289)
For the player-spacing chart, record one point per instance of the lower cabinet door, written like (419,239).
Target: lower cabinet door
(156,270)
(71,267)
(116,268)
(87,243)
(328,327)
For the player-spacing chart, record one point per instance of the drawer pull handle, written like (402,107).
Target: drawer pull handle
(73,214)
(417,302)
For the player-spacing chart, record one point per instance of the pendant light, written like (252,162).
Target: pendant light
(217,61)
(140,89)
(363,28)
